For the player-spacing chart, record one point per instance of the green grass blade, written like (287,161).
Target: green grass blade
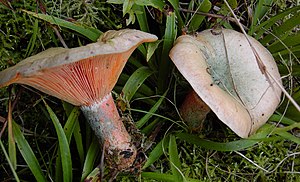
(290,41)
(72,127)
(174,159)
(89,32)
(71,122)
(78,140)
(197,19)
(150,127)
(9,162)
(142,18)
(165,63)
(11,141)
(287,128)
(165,177)
(286,53)
(90,158)
(151,49)
(94,175)
(157,152)
(143,89)
(289,136)
(158,4)
(135,81)
(260,10)
(175,4)
(261,29)
(144,119)
(160,176)
(58,168)
(32,39)
(228,146)
(283,70)
(63,146)
(28,154)
(282,119)
(283,29)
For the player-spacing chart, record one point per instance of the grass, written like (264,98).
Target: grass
(53,141)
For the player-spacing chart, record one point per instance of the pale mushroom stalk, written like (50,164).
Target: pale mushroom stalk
(105,120)
(85,77)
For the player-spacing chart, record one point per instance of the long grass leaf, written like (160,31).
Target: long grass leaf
(135,81)
(143,89)
(197,19)
(282,119)
(78,140)
(150,127)
(165,64)
(142,18)
(144,119)
(157,152)
(160,176)
(228,146)
(72,127)
(289,136)
(71,122)
(32,40)
(90,158)
(175,4)
(158,4)
(28,154)
(151,49)
(89,32)
(165,177)
(11,141)
(58,167)
(261,28)
(260,10)
(174,158)
(9,162)
(289,41)
(63,146)
(283,29)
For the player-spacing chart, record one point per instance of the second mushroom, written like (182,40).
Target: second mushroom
(233,74)
(85,77)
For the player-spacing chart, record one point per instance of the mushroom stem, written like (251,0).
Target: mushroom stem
(193,111)
(105,120)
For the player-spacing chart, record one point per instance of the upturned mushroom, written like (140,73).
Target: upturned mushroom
(85,76)
(223,69)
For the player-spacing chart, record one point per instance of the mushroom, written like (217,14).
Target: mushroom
(222,68)
(85,76)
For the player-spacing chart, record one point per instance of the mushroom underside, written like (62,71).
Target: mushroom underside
(85,76)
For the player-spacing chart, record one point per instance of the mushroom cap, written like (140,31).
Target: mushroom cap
(222,69)
(79,75)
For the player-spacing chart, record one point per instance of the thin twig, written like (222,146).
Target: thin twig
(59,37)
(209,15)
(265,170)
(3,128)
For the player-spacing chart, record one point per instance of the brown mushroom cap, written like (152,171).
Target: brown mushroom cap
(222,69)
(79,75)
